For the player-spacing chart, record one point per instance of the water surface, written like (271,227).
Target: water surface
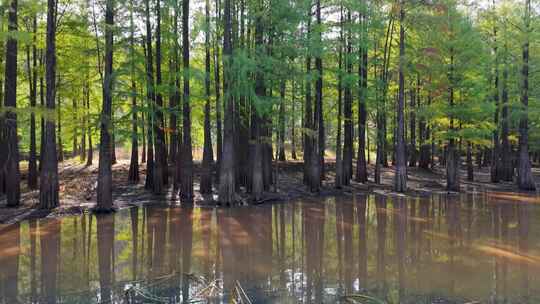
(439,249)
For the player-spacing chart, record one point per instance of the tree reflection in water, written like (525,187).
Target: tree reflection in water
(472,247)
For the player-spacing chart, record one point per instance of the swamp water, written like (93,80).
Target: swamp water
(472,248)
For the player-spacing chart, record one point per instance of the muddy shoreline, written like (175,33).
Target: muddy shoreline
(78,184)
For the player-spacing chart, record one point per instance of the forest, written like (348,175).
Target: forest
(351,87)
(276,151)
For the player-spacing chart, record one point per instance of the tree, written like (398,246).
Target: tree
(186,184)
(361,166)
(133,174)
(12,172)
(525,178)
(227,185)
(208,154)
(400,179)
(347,109)
(104,189)
(160,172)
(48,190)
(32,85)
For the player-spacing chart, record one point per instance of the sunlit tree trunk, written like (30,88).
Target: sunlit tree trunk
(104,189)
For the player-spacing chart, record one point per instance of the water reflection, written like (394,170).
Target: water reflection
(443,249)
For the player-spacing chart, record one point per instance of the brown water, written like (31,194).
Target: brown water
(436,249)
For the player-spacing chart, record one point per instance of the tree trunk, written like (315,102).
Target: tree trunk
(219,106)
(361,166)
(90,156)
(525,178)
(12,171)
(293,122)
(400,179)
(174,99)
(338,183)
(308,113)
(316,161)
(3,152)
(32,82)
(208,154)
(149,181)
(453,155)
(160,160)
(104,189)
(412,118)
(257,172)
(495,156)
(133,174)
(281,133)
(49,186)
(186,184)
(319,110)
(505,170)
(347,112)
(227,186)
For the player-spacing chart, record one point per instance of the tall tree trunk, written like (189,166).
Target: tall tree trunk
(293,122)
(453,155)
(257,177)
(186,188)
(133,174)
(49,186)
(525,178)
(149,181)
(208,153)
(160,161)
(59,135)
(338,183)
(361,166)
(317,166)
(495,156)
(217,85)
(227,185)
(13,176)
(104,189)
(174,99)
(281,133)
(412,152)
(400,179)
(347,111)
(32,77)
(505,170)
(3,152)
(90,156)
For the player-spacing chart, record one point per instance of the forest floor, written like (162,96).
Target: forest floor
(78,184)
